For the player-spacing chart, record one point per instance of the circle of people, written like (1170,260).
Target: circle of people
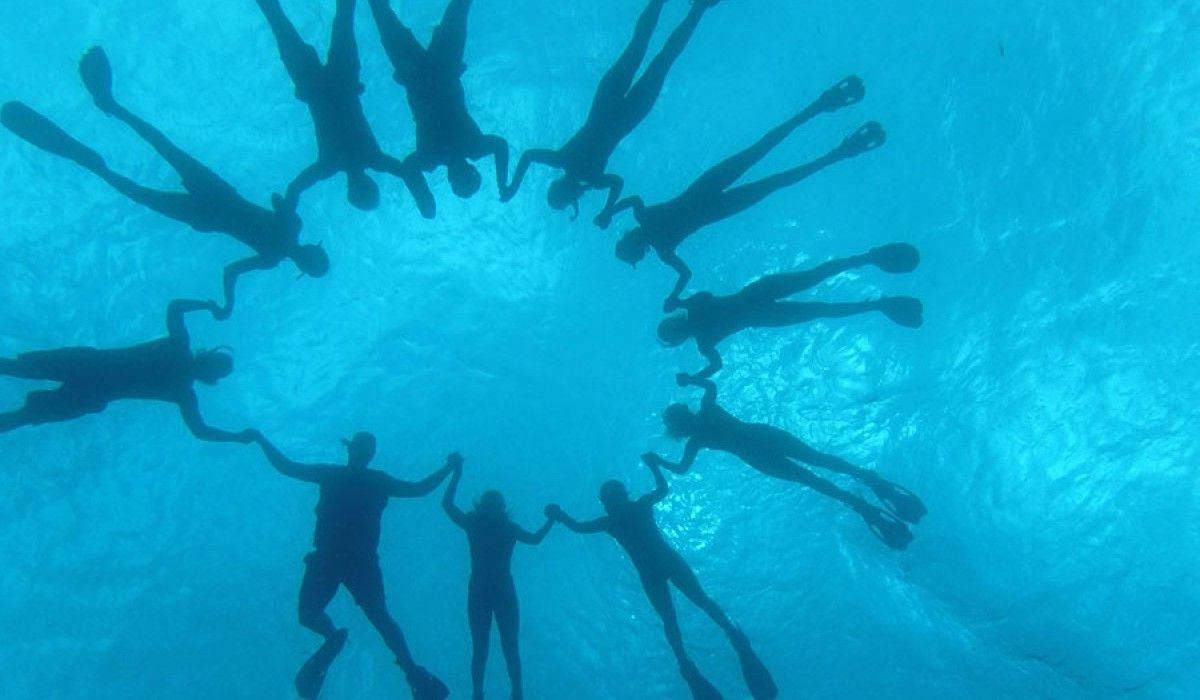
(352,496)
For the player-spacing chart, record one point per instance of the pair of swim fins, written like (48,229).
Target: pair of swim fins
(758,679)
(311,677)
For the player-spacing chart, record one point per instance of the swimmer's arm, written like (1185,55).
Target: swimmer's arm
(556,513)
(178,308)
(232,272)
(189,409)
(528,537)
(307,178)
(685,275)
(294,470)
(710,391)
(498,148)
(415,489)
(635,203)
(661,488)
(715,363)
(690,452)
(614,184)
(455,513)
(535,155)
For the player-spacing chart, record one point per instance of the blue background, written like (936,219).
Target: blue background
(1046,412)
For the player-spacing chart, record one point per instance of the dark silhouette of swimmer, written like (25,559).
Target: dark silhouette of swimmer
(345,553)
(617,109)
(332,91)
(713,197)
(432,78)
(160,370)
(777,453)
(631,523)
(710,318)
(209,204)
(491,593)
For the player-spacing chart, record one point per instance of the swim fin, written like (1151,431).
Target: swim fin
(887,527)
(426,686)
(903,311)
(96,72)
(698,684)
(895,257)
(758,679)
(901,502)
(311,676)
(46,135)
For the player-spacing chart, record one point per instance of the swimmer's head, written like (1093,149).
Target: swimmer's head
(680,420)
(211,366)
(674,330)
(491,505)
(465,179)
(361,190)
(563,193)
(632,247)
(613,493)
(311,259)
(360,450)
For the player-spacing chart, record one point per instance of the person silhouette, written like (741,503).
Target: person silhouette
(432,79)
(332,92)
(345,553)
(491,593)
(713,197)
(631,523)
(618,107)
(710,318)
(159,370)
(209,204)
(776,453)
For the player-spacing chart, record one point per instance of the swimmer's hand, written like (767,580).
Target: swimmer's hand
(554,512)
(454,461)
(684,379)
(651,459)
(248,436)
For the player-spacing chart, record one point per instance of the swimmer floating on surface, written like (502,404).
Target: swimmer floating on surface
(209,203)
(710,318)
(491,592)
(775,452)
(712,197)
(332,92)
(346,553)
(432,79)
(631,523)
(619,106)
(160,370)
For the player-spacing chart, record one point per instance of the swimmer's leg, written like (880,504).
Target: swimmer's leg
(317,589)
(617,81)
(645,92)
(50,406)
(299,58)
(398,41)
(659,594)
(687,583)
(343,60)
(722,175)
(39,131)
(780,314)
(197,179)
(14,419)
(449,43)
(479,619)
(786,284)
(899,501)
(508,620)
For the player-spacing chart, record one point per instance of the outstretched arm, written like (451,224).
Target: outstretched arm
(232,272)
(709,386)
(556,513)
(661,488)
(685,276)
(614,184)
(283,465)
(535,155)
(306,179)
(189,409)
(416,489)
(455,513)
(528,537)
(714,362)
(690,451)
(178,308)
(635,203)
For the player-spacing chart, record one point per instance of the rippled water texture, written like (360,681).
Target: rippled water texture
(1043,155)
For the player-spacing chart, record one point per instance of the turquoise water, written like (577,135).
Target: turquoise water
(1043,156)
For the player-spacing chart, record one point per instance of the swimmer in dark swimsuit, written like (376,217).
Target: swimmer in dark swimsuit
(491,593)
(617,109)
(631,523)
(332,92)
(432,78)
(713,196)
(345,553)
(160,370)
(710,318)
(776,453)
(209,204)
